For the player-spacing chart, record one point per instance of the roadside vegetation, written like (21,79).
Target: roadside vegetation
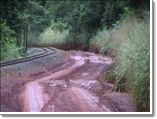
(8,42)
(55,34)
(128,42)
(116,28)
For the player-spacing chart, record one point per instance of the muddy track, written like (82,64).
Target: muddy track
(33,94)
(76,87)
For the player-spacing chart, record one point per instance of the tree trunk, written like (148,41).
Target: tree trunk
(26,36)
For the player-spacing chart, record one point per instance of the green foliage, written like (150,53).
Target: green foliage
(111,39)
(129,43)
(54,35)
(27,18)
(113,11)
(84,18)
(101,41)
(132,69)
(8,43)
(138,73)
(6,32)
(36,17)
(59,25)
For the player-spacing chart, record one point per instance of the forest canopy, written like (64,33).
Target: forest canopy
(29,18)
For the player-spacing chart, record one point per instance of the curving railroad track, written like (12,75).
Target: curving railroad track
(46,52)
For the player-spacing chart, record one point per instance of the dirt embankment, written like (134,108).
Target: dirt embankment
(65,82)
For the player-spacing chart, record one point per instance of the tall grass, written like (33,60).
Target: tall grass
(133,65)
(101,40)
(111,39)
(129,43)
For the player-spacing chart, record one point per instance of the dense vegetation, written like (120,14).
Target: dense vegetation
(119,28)
(131,50)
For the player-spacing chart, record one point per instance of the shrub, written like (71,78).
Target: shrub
(100,40)
(10,51)
(112,39)
(109,40)
(54,35)
(8,43)
(59,25)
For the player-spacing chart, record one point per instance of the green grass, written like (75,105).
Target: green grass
(128,43)
(135,56)
(132,69)
(112,39)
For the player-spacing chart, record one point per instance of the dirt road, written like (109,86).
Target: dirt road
(70,81)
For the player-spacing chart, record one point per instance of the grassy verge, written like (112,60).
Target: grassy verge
(129,43)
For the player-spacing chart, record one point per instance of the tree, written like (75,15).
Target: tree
(20,15)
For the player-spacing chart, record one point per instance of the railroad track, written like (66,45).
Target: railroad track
(47,51)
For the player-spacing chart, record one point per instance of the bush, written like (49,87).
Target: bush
(8,43)
(10,51)
(111,40)
(59,25)
(54,35)
(100,41)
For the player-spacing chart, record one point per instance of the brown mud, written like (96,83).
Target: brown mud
(70,81)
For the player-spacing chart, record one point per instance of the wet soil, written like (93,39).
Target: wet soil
(68,81)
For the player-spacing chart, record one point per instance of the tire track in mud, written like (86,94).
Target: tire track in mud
(73,82)
(33,94)
(70,89)
(33,100)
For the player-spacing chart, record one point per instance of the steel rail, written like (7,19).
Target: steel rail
(25,59)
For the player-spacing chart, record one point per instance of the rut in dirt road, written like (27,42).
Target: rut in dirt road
(34,96)
(83,99)
(75,84)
